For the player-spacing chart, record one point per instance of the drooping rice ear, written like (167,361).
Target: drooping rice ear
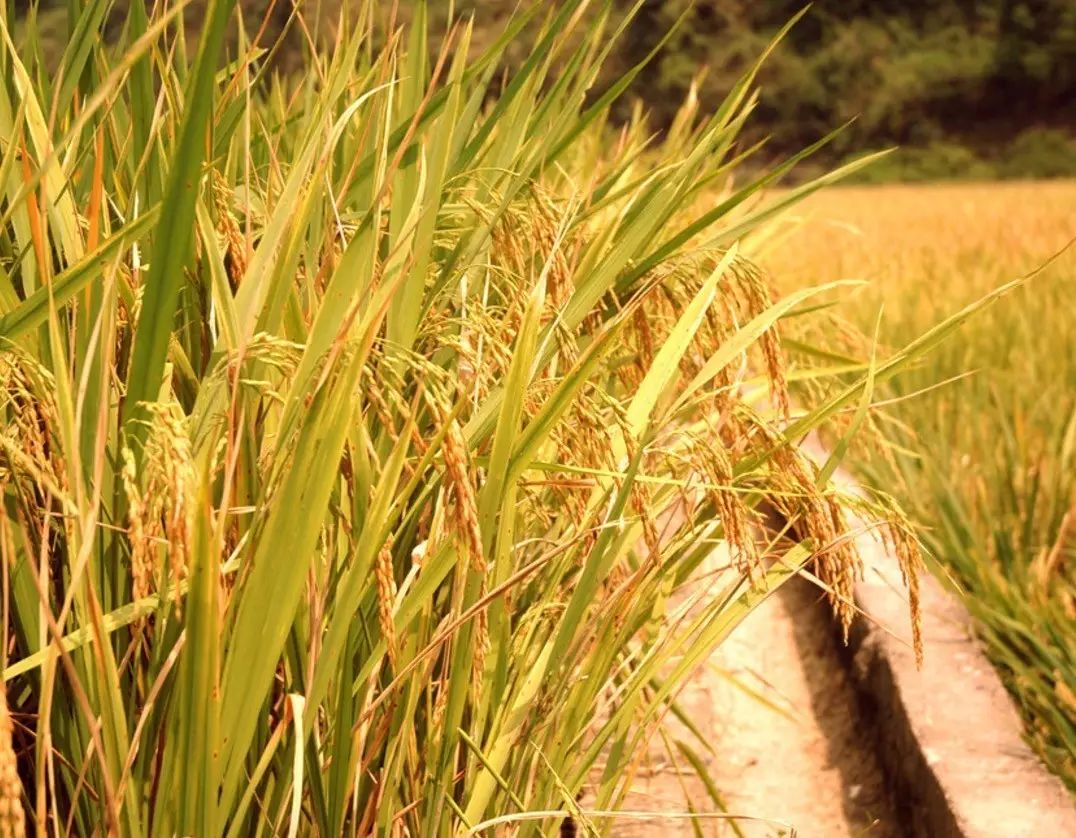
(12,817)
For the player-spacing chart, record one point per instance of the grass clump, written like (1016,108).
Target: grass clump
(366,432)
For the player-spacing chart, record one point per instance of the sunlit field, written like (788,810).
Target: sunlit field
(384,446)
(994,480)
(340,414)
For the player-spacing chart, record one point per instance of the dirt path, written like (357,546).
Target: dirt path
(788,740)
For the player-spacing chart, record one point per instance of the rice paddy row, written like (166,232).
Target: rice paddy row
(986,461)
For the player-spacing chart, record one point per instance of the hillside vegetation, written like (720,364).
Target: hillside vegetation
(966,89)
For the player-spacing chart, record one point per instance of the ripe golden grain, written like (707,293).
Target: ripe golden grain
(12,817)
(386,599)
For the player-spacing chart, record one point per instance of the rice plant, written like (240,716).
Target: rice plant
(379,449)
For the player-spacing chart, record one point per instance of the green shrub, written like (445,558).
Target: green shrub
(1040,153)
(938,161)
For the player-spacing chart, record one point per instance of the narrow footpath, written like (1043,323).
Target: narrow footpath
(789,742)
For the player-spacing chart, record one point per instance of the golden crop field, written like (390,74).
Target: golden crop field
(911,237)
(381,449)
(337,414)
(993,476)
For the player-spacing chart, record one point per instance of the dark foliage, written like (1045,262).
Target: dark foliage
(967,88)
(984,75)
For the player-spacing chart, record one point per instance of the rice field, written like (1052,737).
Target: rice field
(370,434)
(982,432)
(383,447)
